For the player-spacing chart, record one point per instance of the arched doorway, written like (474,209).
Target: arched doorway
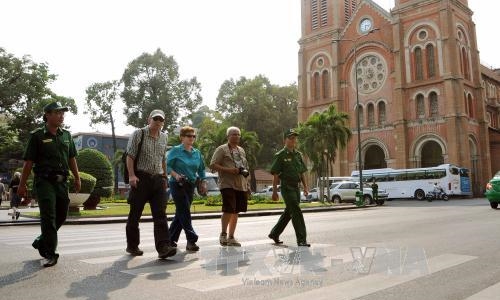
(374,158)
(432,154)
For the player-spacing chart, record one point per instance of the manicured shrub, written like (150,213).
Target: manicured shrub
(87,183)
(95,163)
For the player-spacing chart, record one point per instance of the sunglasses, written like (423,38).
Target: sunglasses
(158,119)
(190,135)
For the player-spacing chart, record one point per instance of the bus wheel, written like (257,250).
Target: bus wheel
(419,195)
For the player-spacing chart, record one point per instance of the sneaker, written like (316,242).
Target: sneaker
(191,246)
(166,251)
(303,244)
(223,239)
(17,214)
(233,242)
(134,251)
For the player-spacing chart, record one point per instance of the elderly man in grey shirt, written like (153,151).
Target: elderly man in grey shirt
(147,178)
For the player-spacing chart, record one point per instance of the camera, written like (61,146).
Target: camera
(182,180)
(243,172)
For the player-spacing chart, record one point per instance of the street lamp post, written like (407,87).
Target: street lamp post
(358,117)
(358,111)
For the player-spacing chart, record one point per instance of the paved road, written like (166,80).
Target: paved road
(404,250)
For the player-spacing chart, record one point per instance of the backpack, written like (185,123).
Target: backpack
(124,159)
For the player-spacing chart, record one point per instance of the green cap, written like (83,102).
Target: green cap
(290,132)
(54,106)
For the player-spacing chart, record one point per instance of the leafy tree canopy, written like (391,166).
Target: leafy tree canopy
(151,81)
(259,106)
(24,91)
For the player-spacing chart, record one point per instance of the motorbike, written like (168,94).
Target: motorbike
(432,195)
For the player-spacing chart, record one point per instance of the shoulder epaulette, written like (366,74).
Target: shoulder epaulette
(36,130)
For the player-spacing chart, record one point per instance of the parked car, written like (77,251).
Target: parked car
(493,190)
(267,192)
(345,191)
(311,196)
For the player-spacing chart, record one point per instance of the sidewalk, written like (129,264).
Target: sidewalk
(6,215)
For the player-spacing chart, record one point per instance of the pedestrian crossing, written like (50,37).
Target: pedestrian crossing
(324,269)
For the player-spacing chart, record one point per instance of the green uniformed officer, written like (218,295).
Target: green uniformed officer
(288,167)
(51,153)
(374,187)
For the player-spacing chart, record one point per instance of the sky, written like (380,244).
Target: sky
(89,41)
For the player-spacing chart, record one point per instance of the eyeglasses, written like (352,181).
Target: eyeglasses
(190,135)
(158,119)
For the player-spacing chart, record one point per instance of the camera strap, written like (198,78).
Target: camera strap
(232,156)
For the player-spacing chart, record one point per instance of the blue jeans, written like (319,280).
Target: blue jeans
(183,197)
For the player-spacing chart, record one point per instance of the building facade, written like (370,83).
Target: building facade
(424,97)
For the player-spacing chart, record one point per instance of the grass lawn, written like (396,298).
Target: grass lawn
(122,209)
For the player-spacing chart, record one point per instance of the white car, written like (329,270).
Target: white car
(267,192)
(345,191)
(311,196)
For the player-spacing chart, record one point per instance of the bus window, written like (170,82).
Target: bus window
(454,170)
(464,172)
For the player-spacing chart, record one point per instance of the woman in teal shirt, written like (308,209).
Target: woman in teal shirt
(185,165)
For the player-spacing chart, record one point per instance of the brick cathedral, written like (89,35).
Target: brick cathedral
(424,97)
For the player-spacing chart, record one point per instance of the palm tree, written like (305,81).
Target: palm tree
(321,136)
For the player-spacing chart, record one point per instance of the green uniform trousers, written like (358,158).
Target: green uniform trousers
(291,196)
(53,203)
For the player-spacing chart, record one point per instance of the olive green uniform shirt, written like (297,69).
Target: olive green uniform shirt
(50,152)
(288,165)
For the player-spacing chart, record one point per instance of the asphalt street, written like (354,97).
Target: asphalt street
(402,250)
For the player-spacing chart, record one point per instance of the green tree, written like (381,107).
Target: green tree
(24,91)
(320,138)
(151,81)
(100,100)
(10,146)
(257,105)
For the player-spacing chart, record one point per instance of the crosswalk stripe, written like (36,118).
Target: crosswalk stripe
(490,293)
(369,284)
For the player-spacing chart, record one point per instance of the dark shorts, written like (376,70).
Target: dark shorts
(15,200)
(234,201)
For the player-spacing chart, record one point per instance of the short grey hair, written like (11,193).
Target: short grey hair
(232,129)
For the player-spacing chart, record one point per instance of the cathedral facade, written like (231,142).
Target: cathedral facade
(424,97)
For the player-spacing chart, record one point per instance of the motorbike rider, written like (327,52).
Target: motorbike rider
(437,192)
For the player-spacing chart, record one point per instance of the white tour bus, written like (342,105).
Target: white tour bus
(415,183)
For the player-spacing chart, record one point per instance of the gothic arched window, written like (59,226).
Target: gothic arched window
(465,64)
(431,62)
(470,106)
(316,86)
(419,74)
(361,117)
(381,113)
(420,106)
(371,115)
(326,84)
(433,105)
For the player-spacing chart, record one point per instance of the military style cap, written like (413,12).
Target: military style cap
(54,106)
(157,113)
(290,132)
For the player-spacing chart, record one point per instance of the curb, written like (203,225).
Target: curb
(200,216)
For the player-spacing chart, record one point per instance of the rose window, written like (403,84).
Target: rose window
(371,72)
